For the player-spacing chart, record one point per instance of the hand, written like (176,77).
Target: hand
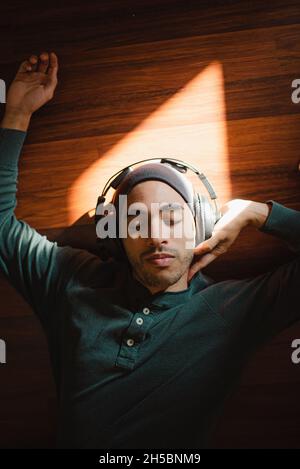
(33,85)
(236,214)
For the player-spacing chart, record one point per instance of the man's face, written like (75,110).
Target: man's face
(170,274)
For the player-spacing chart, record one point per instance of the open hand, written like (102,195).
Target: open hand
(34,84)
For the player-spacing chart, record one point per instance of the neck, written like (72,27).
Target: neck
(181,284)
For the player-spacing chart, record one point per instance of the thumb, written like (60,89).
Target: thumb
(207,245)
(24,67)
(52,71)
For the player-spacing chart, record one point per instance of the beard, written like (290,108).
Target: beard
(162,277)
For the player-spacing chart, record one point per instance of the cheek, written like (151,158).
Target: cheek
(186,238)
(190,234)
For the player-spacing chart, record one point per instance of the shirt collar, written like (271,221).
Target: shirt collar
(139,296)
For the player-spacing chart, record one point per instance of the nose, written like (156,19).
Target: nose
(158,231)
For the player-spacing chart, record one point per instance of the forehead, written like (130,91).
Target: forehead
(154,191)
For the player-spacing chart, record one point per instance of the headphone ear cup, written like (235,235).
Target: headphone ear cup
(209,216)
(117,250)
(111,247)
(107,247)
(205,217)
(199,220)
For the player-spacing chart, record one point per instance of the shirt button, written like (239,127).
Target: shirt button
(130,342)
(146,310)
(139,321)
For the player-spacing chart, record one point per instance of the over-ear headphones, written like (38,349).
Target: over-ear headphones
(206,210)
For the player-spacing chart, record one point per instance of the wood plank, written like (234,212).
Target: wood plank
(121,63)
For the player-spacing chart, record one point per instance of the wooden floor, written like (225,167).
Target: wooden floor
(207,82)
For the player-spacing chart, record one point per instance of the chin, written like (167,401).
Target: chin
(168,276)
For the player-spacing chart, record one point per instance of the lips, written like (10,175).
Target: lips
(159,256)
(162,260)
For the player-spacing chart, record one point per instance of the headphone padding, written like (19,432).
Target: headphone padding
(204,218)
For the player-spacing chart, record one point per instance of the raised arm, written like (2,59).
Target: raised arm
(37,268)
(257,307)
(236,215)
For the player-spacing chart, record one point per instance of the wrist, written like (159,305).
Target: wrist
(257,213)
(14,118)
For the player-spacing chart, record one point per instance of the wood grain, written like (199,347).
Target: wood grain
(121,63)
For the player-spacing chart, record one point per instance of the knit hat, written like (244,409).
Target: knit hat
(159,172)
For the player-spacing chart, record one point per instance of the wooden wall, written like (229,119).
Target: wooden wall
(208,82)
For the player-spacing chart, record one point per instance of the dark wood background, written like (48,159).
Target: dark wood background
(207,82)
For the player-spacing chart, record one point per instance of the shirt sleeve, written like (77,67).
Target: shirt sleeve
(263,306)
(38,268)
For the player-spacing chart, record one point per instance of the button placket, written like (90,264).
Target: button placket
(133,337)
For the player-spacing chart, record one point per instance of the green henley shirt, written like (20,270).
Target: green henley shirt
(133,369)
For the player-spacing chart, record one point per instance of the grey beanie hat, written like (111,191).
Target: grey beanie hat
(159,172)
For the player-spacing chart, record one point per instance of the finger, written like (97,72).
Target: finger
(27,65)
(205,260)
(33,61)
(207,245)
(202,248)
(24,67)
(43,62)
(53,67)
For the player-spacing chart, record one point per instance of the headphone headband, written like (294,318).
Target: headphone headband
(180,165)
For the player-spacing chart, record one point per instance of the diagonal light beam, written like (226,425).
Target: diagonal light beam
(191,126)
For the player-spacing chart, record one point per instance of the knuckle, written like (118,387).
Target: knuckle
(221,249)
